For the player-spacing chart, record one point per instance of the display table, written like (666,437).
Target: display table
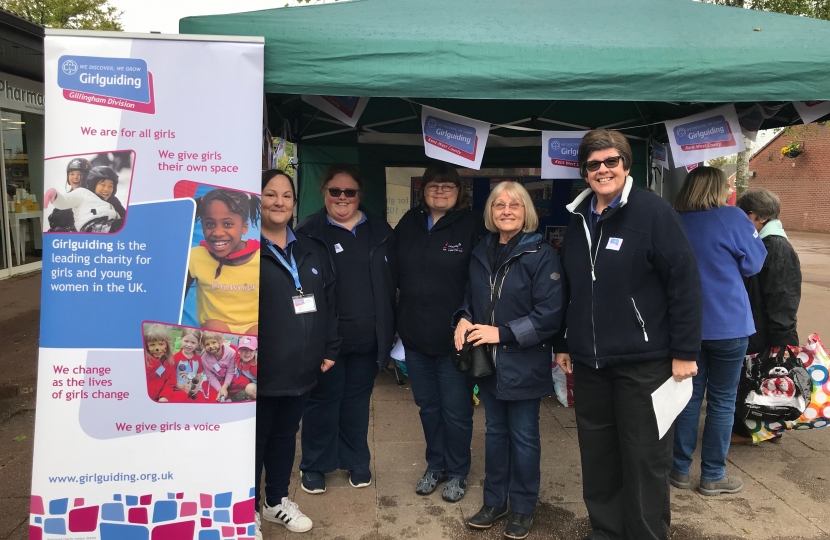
(17,219)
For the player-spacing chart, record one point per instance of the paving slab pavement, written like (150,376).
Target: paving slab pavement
(787,485)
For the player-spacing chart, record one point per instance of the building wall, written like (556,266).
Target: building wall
(803,183)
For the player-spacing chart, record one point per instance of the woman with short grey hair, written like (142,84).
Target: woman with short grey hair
(775,292)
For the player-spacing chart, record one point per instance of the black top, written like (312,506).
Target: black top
(645,303)
(355,300)
(434,269)
(291,346)
(382,272)
(774,295)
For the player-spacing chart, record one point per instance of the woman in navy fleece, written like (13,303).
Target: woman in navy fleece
(728,249)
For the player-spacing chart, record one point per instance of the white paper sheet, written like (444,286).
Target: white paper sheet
(669,400)
(397,351)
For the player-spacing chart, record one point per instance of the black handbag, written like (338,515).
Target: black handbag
(475,361)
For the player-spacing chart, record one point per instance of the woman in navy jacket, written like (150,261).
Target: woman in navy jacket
(362,246)
(633,322)
(294,345)
(434,243)
(518,271)
(728,249)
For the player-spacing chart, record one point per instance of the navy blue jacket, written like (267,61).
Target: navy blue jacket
(434,268)
(291,346)
(381,265)
(530,301)
(634,289)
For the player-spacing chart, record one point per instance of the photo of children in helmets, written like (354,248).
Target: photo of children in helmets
(223,270)
(87,193)
(191,365)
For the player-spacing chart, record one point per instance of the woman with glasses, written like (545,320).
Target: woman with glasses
(362,246)
(434,243)
(513,306)
(633,322)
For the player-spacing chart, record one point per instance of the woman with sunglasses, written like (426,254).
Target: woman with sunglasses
(434,241)
(362,246)
(633,322)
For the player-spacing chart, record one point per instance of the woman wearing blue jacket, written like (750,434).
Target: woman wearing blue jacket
(728,249)
(517,272)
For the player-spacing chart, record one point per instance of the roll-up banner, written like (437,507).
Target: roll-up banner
(147,370)
(559,154)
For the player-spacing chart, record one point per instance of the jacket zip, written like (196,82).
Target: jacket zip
(593,259)
(639,318)
(495,350)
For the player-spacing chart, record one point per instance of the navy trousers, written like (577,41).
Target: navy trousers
(336,418)
(445,399)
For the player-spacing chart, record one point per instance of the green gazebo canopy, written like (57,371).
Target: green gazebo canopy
(541,64)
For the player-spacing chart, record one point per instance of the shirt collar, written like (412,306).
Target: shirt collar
(613,204)
(353,229)
(289,239)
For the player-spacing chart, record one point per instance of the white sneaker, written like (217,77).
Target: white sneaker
(287,513)
(258,523)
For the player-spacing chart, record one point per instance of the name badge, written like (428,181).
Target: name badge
(338,248)
(614,243)
(160,371)
(304,304)
(217,367)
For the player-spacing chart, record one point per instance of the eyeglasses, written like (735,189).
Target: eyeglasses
(336,192)
(435,188)
(500,206)
(610,163)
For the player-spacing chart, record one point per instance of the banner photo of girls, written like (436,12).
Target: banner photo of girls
(192,365)
(223,269)
(87,193)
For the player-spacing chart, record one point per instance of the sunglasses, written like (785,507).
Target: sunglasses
(609,163)
(336,192)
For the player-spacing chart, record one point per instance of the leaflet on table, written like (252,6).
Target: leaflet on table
(347,109)
(453,138)
(150,288)
(704,136)
(559,154)
(810,111)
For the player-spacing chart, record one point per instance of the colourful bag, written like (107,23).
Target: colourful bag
(817,414)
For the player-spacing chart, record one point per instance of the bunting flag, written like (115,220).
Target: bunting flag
(347,109)
(711,134)
(453,138)
(559,154)
(660,155)
(810,111)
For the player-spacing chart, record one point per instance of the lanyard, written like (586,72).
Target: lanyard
(292,268)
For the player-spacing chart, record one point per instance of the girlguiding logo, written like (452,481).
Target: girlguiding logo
(120,83)
(563,152)
(457,138)
(703,134)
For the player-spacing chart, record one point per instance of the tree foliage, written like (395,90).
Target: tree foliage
(818,9)
(721,161)
(75,14)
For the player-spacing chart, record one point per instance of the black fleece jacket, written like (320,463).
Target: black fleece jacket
(382,269)
(434,266)
(291,346)
(645,301)
(774,295)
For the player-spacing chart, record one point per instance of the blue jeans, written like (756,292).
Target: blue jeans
(512,453)
(718,372)
(445,399)
(336,417)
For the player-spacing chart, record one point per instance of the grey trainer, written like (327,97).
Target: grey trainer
(680,481)
(727,484)
(429,482)
(455,489)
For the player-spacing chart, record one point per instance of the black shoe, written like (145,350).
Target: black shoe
(518,526)
(485,517)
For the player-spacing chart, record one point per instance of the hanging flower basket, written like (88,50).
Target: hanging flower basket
(792,150)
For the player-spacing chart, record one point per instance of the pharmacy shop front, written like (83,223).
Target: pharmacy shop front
(21,169)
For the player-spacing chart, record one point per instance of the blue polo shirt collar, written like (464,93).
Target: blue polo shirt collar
(353,230)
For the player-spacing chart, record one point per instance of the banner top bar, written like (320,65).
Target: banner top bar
(137,35)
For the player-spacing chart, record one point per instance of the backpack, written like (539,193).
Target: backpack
(774,388)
